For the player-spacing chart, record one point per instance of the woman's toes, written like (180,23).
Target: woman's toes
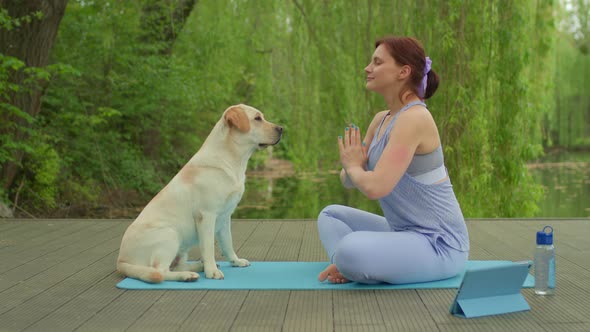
(327,272)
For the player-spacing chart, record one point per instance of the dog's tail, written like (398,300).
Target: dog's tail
(145,273)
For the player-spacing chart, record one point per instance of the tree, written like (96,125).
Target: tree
(29,39)
(162,21)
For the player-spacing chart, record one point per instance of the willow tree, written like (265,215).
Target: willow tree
(569,124)
(148,93)
(490,100)
(302,61)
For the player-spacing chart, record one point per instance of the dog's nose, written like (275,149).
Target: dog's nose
(279,129)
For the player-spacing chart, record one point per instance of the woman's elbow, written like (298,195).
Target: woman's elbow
(379,187)
(376,193)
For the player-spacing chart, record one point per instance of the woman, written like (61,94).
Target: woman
(423,236)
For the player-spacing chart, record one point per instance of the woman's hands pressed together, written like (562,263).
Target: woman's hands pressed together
(353,152)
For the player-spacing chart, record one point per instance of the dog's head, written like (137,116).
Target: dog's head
(249,125)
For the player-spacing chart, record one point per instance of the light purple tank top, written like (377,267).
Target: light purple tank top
(429,209)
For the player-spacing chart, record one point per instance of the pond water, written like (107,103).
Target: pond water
(565,177)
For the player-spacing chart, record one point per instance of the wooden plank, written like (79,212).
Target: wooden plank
(311,246)
(569,270)
(80,308)
(43,238)
(7,232)
(60,245)
(216,311)
(123,312)
(287,243)
(309,311)
(554,309)
(73,286)
(170,311)
(520,321)
(571,232)
(242,230)
(262,311)
(38,303)
(567,327)
(9,225)
(571,305)
(438,302)
(358,309)
(404,310)
(47,237)
(27,289)
(31,229)
(569,238)
(256,247)
(29,269)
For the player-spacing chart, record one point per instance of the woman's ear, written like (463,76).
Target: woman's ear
(405,72)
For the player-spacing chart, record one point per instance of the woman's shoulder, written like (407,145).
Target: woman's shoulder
(379,116)
(416,122)
(374,124)
(416,114)
(377,119)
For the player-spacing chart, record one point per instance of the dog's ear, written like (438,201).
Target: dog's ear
(235,117)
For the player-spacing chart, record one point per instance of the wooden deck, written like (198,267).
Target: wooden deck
(59,275)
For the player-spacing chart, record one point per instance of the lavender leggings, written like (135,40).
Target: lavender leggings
(366,250)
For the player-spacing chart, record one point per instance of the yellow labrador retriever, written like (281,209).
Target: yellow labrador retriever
(196,206)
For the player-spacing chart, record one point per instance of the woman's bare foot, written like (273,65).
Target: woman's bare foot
(333,275)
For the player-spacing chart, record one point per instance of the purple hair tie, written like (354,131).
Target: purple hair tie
(422,87)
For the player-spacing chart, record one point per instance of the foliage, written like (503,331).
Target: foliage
(42,160)
(119,123)
(8,64)
(139,94)
(569,124)
(8,23)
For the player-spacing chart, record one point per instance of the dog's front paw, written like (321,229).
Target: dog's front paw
(191,276)
(214,273)
(241,262)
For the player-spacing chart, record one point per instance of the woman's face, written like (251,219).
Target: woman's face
(383,73)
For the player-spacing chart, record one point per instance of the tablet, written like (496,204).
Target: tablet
(491,290)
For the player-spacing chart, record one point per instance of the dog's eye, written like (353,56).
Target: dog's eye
(258,118)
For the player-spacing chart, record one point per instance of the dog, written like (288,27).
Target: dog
(195,207)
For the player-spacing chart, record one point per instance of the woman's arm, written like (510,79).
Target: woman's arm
(344,178)
(403,141)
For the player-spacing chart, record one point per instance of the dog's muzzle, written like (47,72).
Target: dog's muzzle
(279,131)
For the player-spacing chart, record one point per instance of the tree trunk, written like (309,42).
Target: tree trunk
(163,21)
(31,43)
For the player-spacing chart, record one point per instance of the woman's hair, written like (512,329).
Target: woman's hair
(409,51)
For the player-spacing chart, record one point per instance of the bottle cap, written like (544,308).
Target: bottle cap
(545,236)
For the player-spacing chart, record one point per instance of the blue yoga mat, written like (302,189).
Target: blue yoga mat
(292,276)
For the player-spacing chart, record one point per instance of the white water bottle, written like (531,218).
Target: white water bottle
(544,263)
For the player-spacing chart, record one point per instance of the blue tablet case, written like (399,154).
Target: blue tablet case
(492,290)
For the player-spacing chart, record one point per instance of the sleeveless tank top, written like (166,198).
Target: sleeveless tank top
(429,209)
